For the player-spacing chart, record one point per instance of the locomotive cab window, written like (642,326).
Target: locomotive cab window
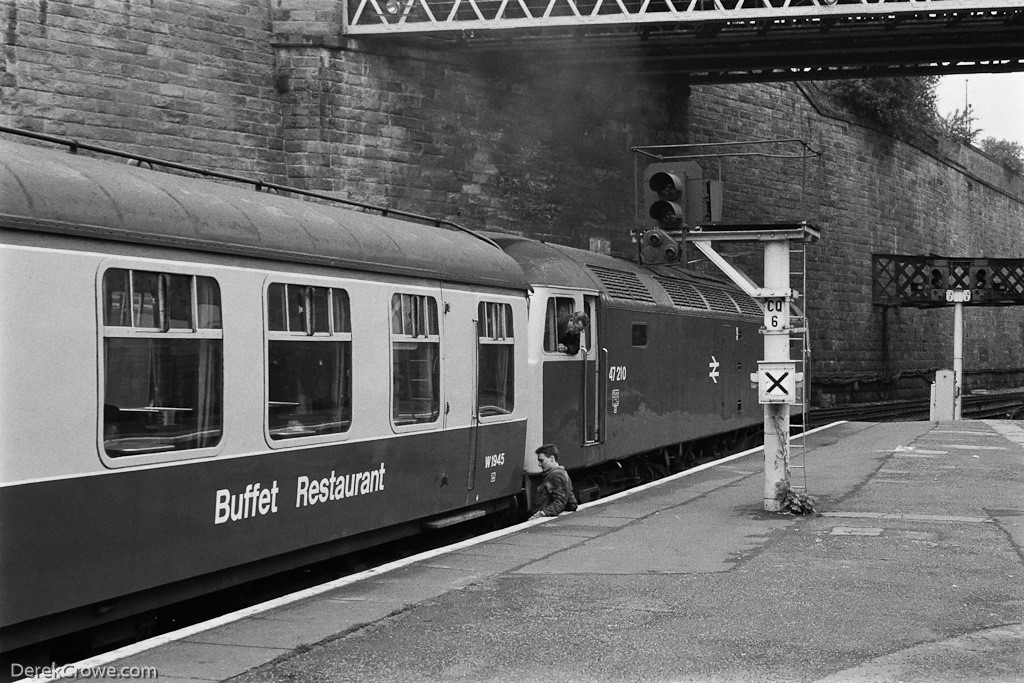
(162,362)
(309,361)
(557,337)
(496,360)
(415,360)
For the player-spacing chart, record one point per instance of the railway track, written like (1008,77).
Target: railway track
(980,405)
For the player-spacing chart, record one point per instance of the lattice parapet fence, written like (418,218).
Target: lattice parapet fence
(900,280)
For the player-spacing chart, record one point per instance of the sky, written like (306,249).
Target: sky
(997,101)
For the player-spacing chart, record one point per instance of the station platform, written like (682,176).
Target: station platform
(912,571)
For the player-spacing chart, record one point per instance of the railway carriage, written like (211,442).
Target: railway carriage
(203,384)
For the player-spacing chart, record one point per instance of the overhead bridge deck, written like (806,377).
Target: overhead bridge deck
(717,40)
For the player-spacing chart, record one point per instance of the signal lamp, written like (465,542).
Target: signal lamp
(666,185)
(668,214)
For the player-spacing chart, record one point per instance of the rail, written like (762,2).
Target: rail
(976,406)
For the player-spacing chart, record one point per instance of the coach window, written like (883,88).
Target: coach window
(162,362)
(309,361)
(495,364)
(415,360)
(558,312)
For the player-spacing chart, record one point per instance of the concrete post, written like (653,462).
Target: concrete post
(958,359)
(776,348)
(777,296)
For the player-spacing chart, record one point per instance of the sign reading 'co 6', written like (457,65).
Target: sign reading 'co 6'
(773,314)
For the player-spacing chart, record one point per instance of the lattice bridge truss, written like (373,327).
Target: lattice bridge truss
(720,40)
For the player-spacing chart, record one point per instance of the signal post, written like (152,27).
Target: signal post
(776,375)
(932,281)
(677,197)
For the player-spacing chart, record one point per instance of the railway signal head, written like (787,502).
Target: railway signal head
(657,246)
(981,280)
(667,208)
(938,279)
(665,193)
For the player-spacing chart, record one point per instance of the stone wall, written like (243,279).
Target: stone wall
(187,80)
(272,88)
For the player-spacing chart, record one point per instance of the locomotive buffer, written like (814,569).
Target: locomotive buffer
(776,376)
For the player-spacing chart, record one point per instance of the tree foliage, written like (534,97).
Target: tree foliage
(1009,154)
(959,126)
(905,107)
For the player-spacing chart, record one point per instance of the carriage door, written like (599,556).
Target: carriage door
(494,396)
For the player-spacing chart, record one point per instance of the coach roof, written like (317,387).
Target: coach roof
(47,190)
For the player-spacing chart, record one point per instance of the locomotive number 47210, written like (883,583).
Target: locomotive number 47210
(617,373)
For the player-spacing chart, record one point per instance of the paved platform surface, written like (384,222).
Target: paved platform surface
(914,572)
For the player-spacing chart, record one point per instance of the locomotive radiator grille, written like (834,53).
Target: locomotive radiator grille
(720,301)
(683,294)
(622,284)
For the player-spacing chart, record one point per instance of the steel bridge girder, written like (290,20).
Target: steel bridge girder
(386,17)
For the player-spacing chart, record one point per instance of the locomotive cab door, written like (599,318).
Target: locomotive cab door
(590,402)
(573,386)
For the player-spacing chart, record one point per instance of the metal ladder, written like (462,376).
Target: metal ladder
(800,351)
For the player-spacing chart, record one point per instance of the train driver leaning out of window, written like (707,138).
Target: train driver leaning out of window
(570,329)
(555,494)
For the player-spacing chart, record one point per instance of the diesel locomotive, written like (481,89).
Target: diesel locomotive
(202,384)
